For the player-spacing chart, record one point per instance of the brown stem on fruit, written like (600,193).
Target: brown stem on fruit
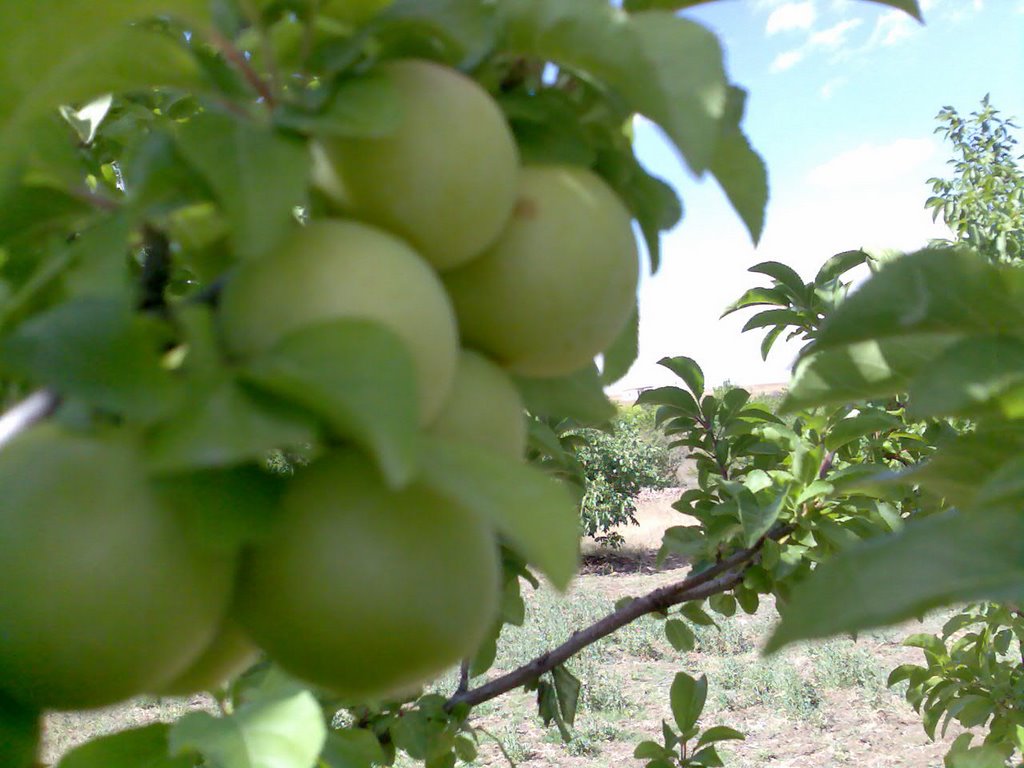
(238,60)
(718,578)
(30,411)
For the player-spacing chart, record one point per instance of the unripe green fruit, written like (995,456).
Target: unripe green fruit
(332,270)
(559,284)
(368,591)
(483,409)
(229,654)
(103,597)
(446,179)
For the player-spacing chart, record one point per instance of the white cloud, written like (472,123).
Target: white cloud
(791,16)
(786,60)
(830,87)
(871,165)
(890,28)
(835,35)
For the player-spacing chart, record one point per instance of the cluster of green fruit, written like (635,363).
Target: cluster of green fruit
(481,267)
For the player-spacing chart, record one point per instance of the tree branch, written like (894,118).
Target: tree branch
(718,578)
(25,414)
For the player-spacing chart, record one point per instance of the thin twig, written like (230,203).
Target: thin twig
(237,58)
(27,413)
(718,578)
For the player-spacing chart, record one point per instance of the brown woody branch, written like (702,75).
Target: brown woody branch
(718,578)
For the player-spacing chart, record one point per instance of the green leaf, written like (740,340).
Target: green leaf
(20,735)
(773,317)
(866,422)
(227,425)
(687,695)
(677,399)
(98,350)
(145,747)
(984,756)
(785,277)
(687,369)
(275,733)
(650,750)
(838,265)
(360,378)
(222,509)
(954,557)
(934,291)
(578,396)
(664,67)
(547,706)
(862,371)
(352,748)
(907,6)
(366,107)
(466,30)
(567,689)
(680,635)
(740,171)
(707,757)
(961,466)
(620,356)
(759,296)
(259,176)
(62,52)
(719,733)
(966,376)
(757,518)
(536,513)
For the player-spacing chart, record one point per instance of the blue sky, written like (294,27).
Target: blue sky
(843,96)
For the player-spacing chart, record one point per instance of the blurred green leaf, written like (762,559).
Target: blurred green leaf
(934,291)
(535,512)
(620,356)
(863,370)
(97,350)
(64,52)
(666,68)
(579,396)
(145,747)
(968,376)
(954,557)
(360,108)
(224,425)
(288,732)
(20,735)
(352,748)
(259,176)
(360,378)
(866,422)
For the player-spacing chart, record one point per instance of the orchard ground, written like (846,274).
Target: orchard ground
(823,704)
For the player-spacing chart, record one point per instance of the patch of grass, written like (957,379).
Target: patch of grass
(775,684)
(844,664)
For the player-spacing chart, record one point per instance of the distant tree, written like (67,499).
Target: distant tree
(983,204)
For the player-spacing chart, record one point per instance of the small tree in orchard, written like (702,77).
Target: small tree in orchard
(983,204)
(373,236)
